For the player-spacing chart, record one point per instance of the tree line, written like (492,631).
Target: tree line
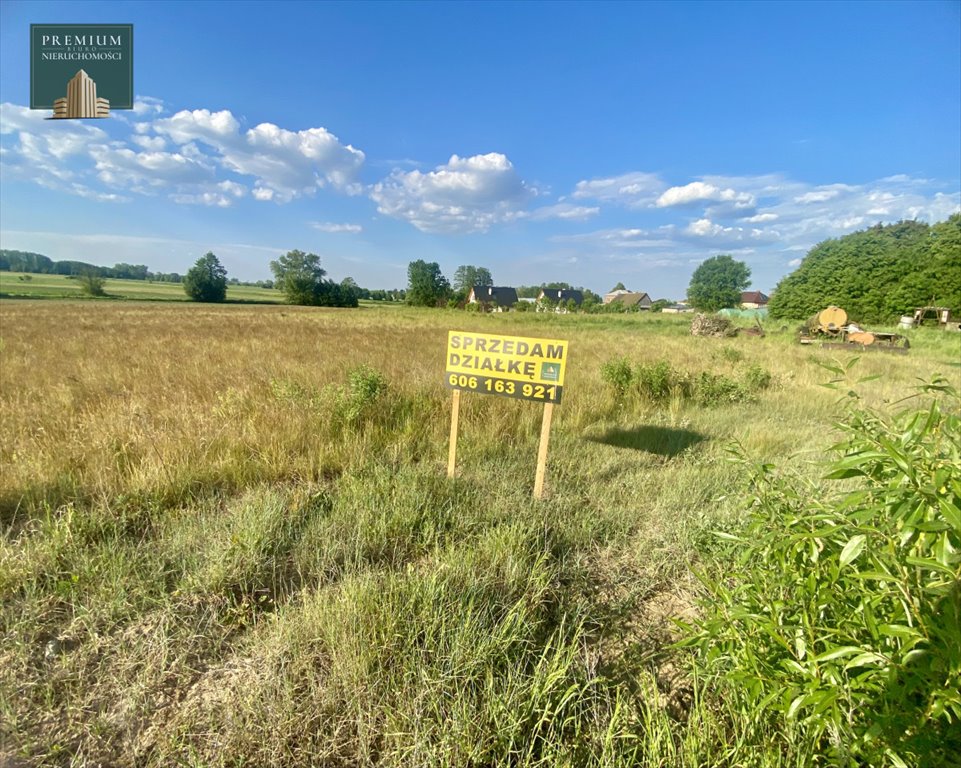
(877,274)
(37,263)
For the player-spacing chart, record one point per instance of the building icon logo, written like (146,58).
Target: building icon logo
(550,371)
(93,61)
(81,99)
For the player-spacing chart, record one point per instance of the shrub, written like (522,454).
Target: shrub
(365,389)
(92,284)
(717,389)
(843,625)
(756,378)
(617,374)
(659,382)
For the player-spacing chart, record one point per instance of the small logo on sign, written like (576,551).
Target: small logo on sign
(81,70)
(550,371)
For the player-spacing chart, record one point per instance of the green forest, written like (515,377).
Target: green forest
(877,274)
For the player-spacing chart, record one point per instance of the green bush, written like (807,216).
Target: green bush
(837,621)
(366,388)
(656,381)
(717,389)
(757,378)
(618,375)
(659,382)
(92,284)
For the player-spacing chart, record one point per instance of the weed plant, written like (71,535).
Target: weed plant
(842,626)
(659,382)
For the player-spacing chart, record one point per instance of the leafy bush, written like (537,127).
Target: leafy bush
(618,375)
(659,382)
(717,389)
(92,284)
(842,627)
(365,389)
(757,378)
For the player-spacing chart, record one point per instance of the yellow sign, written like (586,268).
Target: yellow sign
(512,366)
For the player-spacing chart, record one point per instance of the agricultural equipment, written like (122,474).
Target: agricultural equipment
(830,327)
(940,316)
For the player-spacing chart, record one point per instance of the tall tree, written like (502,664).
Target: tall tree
(718,282)
(618,287)
(466,277)
(206,280)
(299,276)
(426,284)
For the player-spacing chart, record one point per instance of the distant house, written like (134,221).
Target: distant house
(613,295)
(502,297)
(632,299)
(753,300)
(675,309)
(559,295)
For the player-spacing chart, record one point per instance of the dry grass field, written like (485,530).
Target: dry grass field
(228,537)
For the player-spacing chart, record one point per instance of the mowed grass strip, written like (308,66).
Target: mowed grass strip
(228,537)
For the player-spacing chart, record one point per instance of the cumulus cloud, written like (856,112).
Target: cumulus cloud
(699,191)
(155,143)
(46,152)
(466,194)
(119,166)
(721,235)
(327,226)
(194,156)
(288,163)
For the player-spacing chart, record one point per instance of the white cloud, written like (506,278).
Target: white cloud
(761,218)
(147,105)
(155,143)
(222,197)
(721,235)
(119,166)
(564,211)
(466,194)
(289,163)
(187,156)
(699,191)
(634,190)
(327,226)
(823,194)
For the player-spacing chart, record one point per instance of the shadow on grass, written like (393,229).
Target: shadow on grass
(662,441)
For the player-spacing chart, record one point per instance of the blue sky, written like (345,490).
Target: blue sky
(591,143)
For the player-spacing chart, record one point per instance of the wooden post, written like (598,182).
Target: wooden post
(542,451)
(452,453)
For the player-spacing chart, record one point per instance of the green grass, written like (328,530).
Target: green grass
(226,542)
(35,286)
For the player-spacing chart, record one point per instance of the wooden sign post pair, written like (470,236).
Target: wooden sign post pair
(509,366)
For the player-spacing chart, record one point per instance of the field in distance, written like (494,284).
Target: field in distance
(228,536)
(36,286)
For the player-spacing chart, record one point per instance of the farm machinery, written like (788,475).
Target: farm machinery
(830,327)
